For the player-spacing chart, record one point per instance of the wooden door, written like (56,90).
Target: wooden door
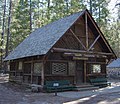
(79,72)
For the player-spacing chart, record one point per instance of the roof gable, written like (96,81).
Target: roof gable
(41,40)
(102,39)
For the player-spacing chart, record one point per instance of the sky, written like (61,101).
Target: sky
(112,7)
(112,3)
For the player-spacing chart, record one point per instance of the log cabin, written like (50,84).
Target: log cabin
(72,48)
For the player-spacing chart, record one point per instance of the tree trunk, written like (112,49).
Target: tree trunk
(48,10)
(2,34)
(91,7)
(30,16)
(8,30)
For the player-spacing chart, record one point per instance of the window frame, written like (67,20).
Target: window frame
(66,63)
(27,68)
(20,65)
(39,69)
(94,71)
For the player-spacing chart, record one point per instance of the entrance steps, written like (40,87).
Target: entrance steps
(86,87)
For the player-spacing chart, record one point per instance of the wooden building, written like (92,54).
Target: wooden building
(113,69)
(72,48)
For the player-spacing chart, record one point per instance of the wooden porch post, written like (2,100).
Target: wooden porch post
(85,68)
(42,72)
(42,75)
(75,77)
(31,72)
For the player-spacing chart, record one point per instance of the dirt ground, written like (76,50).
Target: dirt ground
(14,94)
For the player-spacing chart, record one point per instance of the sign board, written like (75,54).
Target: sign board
(77,54)
(80,58)
(55,84)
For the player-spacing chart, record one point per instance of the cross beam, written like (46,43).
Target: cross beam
(78,39)
(94,43)
(80,51)
(86,30)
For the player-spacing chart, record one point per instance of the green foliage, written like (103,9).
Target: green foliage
(114,32)
(99,11)
(20,28)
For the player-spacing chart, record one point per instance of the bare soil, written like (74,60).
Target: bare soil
(17,94)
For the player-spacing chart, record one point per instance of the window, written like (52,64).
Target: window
(20,66)
(8,67)
(59,68)
(37,68)
(96,68)
(13,66)
(27,68)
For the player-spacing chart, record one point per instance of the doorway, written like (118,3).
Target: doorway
(79,72)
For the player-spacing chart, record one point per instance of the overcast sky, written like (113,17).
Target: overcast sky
(113,9)
(112,6)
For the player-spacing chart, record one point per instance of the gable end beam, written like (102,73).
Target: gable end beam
(94,42)
(78,39)
(86,29)
(99,32)
(79,51)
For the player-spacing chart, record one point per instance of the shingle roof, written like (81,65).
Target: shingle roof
(114,64)
(41,40)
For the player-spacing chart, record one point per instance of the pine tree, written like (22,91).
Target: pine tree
(99,11)
(8,29)
(3,33)
(30,13)
(20,27)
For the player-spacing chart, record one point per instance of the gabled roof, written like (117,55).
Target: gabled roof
(114,64)
(102,36)
(41,40)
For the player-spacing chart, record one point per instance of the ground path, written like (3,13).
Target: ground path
(14,94)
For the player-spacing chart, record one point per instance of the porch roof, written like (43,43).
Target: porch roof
(114,64)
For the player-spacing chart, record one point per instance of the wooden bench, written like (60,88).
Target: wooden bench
(101,82)
(60,85)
